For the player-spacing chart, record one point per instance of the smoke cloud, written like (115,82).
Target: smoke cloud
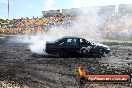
(81,27)
(87,24)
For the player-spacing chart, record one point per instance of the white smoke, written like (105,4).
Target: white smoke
(86,25)
(91,3)
(82,27)
(36,42)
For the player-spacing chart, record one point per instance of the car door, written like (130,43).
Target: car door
(61,44)
(71,44)
(84,44)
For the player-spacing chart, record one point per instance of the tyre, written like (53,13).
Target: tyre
(61,53)
(84,51)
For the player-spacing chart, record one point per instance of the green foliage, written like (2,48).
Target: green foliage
(3,21)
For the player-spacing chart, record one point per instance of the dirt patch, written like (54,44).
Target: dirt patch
(19,68)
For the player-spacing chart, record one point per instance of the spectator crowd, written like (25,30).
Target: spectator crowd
(110,26)
(43,24)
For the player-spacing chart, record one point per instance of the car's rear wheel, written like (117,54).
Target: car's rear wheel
(61,53)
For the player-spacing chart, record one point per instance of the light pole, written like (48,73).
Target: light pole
(8,9)
(116,8)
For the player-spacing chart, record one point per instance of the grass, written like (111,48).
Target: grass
(116,41)
(102,40)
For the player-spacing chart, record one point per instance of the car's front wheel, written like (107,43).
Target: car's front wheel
(100,53)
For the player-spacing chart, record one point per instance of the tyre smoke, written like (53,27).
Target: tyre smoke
(88,24)
(82,26)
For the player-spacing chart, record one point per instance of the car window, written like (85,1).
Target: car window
(61,41)
(58,40)
(83,42)
(71,42)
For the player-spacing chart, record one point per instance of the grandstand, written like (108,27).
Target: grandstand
(66,17)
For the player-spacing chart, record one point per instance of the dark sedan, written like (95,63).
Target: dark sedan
(74,45)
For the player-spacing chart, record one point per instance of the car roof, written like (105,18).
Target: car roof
(72,37)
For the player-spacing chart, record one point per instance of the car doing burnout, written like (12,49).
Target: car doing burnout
(74,45)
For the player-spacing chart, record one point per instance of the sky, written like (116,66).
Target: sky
(30,8)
